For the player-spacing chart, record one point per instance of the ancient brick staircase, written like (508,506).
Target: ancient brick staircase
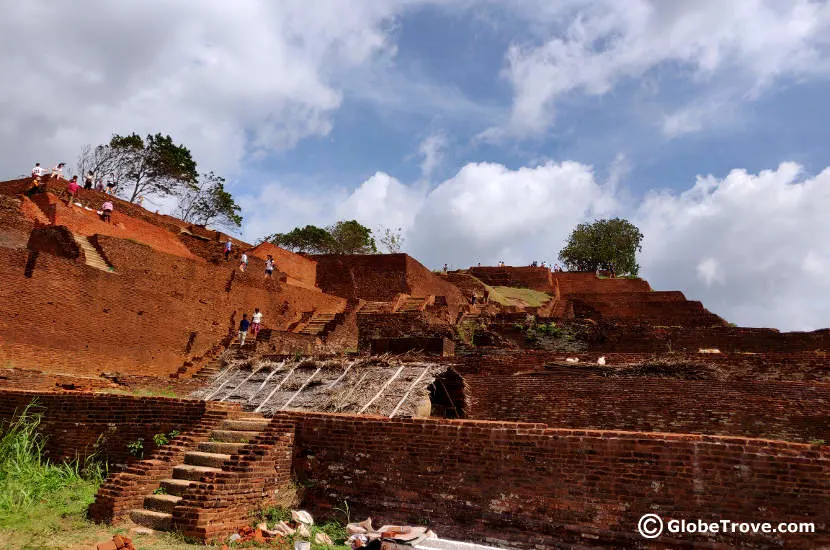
(371,308)
(210,457)
(413,304)
(320,324)
(91,256)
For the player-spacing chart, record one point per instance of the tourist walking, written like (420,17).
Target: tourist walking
(72,191)
(256,322)
(243,329)
(243,262)
(269,267)
(228,246)
(57,171)
(90,177)
(106,211)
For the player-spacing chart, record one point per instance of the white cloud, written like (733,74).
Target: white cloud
(226,79)
(590,47)
(432,150)
(487,212)
(708,271)
(755,248)
(382,201)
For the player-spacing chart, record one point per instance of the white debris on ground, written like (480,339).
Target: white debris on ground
(375,385)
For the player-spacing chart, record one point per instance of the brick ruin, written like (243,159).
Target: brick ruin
(416,396)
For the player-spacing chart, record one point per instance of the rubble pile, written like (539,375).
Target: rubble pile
(388,537)
(361,535)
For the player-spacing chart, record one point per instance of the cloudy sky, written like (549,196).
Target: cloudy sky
(484,129)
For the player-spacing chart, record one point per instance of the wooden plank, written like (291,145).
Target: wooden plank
(412,387)
(310,378)
(382,389)
(278,386)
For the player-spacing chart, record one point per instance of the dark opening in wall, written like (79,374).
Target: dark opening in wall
(447,395)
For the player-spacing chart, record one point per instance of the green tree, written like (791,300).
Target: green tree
(604,244)
(151,166)
(350,237)
(309,239)
(207,203)
(344,237)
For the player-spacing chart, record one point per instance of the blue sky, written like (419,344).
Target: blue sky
(484,129)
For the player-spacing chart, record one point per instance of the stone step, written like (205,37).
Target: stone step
(245,425)
(223,447)
(211,460)
(176,486)
(161,503)
(154,520)
(192,473)
(233,436)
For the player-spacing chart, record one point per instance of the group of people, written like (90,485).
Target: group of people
(556,268)
(254,325)
(70,194)
(243,260)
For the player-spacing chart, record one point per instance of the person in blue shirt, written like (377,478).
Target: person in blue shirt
(243,328)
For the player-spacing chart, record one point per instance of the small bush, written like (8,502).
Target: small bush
(136,448)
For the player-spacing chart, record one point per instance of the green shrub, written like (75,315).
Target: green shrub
(136,448)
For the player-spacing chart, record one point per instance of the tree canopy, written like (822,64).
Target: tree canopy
(604,244)
(207,203)
(154,165)
(344,237)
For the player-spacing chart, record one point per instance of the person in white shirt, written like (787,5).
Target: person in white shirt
(256,322)
(57,171)
(243,262)
(37,172)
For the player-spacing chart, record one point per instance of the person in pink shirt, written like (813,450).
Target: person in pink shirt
(72,191)
(106,211)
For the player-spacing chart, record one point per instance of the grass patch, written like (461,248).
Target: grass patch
(522,297)
(43,505)
(40,500)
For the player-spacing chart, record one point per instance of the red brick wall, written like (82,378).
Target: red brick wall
(527,485)
(645,307)
(795,366)
(140,319)
(125,490)
(30,379)
(393,325)
(642,338)
(300,269)
(580,283)
(790,411)
(79,424)
(87,222)
(381,277)
(251,480)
